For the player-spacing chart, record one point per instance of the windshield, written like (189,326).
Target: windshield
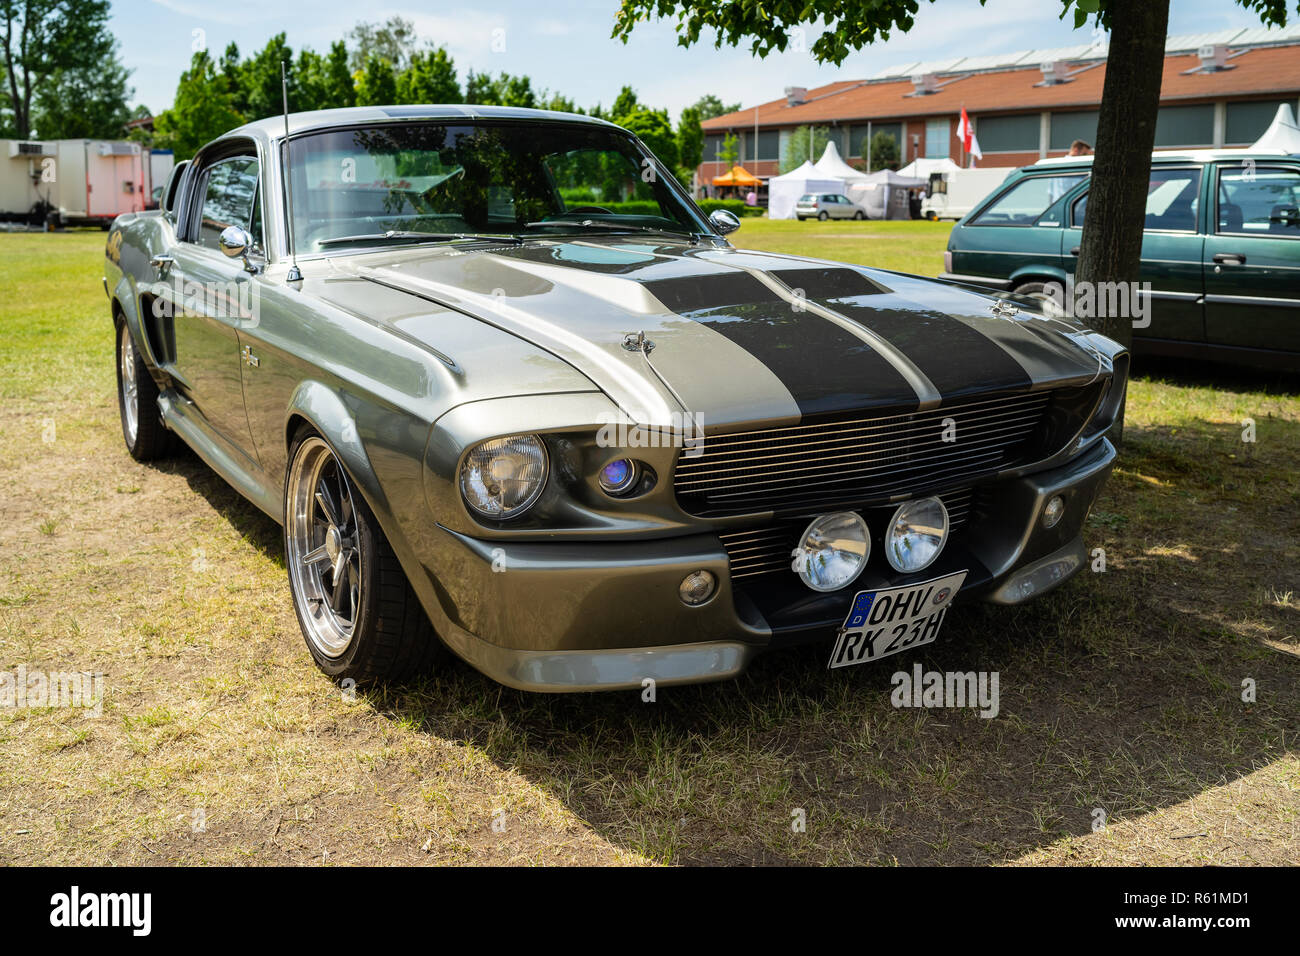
(534,179)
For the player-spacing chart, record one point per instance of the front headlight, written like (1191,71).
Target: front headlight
(501,478)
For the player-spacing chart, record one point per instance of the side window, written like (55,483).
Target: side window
(1259,201)
(1025,202)
(230,198)
(1173,196)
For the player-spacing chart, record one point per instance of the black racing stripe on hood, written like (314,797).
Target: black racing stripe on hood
(958,359)
(825,368)
(689,293)
(827,283)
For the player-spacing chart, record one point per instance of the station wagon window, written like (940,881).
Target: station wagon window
(1259,201)
(353,186)
(1173,197)
(230,198)
(1025,202)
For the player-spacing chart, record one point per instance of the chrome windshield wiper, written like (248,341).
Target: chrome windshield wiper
(611,226)
(394,235)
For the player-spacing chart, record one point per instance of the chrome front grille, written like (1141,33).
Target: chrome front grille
(766,549)
(858,459)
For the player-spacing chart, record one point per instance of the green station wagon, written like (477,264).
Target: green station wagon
(1221,249)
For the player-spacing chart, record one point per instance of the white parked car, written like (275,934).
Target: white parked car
(827,206)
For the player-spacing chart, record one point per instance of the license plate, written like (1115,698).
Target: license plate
(892,620)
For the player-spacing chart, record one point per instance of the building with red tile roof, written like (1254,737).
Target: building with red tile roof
(1219,90)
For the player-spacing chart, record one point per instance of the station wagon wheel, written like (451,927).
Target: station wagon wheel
(823,215)
(357,611)
(143,431)
(1046,289)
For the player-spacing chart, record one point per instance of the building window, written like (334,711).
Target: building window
(1066,128)
(1008,134)
(858,135)
(937,138)
(1247,122)
(769,145)
(1185,125)
(712,147)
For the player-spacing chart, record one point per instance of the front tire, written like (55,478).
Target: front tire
(859,215)
(146,437)
(358,614)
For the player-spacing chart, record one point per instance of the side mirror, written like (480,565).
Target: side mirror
(236,243)
(724,222)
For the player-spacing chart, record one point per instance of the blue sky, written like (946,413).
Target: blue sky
(564,45)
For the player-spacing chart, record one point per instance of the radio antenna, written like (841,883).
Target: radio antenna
(295,274)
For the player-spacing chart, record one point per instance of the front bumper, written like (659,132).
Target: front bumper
(572,616)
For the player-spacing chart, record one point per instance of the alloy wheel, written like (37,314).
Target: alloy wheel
(323,548)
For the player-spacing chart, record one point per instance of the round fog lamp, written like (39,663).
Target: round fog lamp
(697,587)
(1053,511)
(916,534)
(832,551)
(618,476)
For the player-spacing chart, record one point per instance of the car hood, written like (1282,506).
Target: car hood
(731,336)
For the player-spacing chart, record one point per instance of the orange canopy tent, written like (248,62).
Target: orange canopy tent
(737,176)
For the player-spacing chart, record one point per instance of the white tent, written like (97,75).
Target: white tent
(784,191)
(1283,136)
(883,194)
(832,166)
(922,168)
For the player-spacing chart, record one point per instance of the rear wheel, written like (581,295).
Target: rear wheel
(358,614)
(137,401)
(823,215)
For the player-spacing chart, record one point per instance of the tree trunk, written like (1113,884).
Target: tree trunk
(1111,245)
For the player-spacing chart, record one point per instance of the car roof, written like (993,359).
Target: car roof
(273,126)
(1169,156)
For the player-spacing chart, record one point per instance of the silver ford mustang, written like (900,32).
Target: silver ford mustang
(510,392)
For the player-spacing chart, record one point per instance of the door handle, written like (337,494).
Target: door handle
(1230,258)
(1075,251)
(161,263)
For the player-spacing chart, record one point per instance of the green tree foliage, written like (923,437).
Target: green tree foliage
(260,79)
(654,129)
(43,37)
(86,101)
(204,109)
(690,139)
(395,40)
(805,146)
(884,151)
(710,106)
(431,78)
(376,84)
(729,154)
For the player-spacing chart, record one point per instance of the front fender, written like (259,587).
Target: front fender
(322,408)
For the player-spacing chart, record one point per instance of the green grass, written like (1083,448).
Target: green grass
(907,246)
(220,742)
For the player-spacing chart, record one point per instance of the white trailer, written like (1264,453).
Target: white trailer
(72,181)
(953,194)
